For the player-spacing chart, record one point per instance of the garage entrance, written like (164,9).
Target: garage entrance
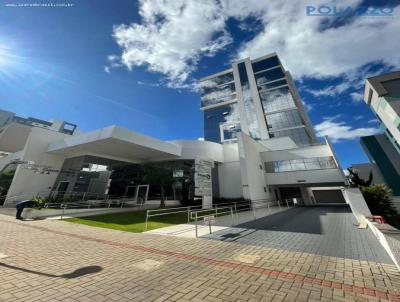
(328,196)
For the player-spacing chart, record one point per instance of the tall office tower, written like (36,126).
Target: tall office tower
(257,97)
(382,93)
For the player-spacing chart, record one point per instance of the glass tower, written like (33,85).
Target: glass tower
(257,97)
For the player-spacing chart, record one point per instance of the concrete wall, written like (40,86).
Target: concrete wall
(364,170)
(26,183)
(13,137)
(192,149)
(9,158)
(252,171)
(357,204)
(230,182)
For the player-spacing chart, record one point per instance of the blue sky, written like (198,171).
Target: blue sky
(136,64)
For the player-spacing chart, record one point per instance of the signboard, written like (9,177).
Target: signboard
(178,173)
(202,177)
(208,220)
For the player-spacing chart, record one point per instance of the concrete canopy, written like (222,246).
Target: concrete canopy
(116,143)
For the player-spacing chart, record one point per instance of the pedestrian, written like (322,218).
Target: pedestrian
(22,205)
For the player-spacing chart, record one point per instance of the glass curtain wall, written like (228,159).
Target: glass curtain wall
(280,109)
(248,102)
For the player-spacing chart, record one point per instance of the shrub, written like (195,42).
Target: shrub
(379,202)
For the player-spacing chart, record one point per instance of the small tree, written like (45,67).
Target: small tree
(356,181)
(379,202)
(160,177)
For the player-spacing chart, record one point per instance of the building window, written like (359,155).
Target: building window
(370,93)
(284,119)
(248,102)
(266,64)
(316,163)
(298,135)
(269,75)
(217,90)
(277,99)
(272,85)
(216,118)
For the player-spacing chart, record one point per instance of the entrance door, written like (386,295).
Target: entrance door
(290,193)
(130,191)
(62,188)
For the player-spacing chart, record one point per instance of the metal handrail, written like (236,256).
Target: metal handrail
(209,222)
(168,212)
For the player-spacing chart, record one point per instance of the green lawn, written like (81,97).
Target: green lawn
(130,221)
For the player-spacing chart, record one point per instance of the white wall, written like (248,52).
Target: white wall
(9,158)
(13,137)
(364,170)
(192,149)
(357,204)
(252,171)
(26,183)
(230,182)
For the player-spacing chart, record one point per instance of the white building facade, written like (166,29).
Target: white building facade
(258,139)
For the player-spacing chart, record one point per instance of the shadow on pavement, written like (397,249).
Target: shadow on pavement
(75,274)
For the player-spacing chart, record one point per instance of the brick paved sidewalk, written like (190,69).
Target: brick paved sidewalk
(38,260)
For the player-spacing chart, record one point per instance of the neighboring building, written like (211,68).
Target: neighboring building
(259,145)
(364,170)
(7,117)
(382,93)
(381,152)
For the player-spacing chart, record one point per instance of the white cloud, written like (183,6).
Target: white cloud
(330,90)
(308,106)
(339,130)
(173,36)
(359,117)
(200,139)
(306,50)
(357,96)
(372,121)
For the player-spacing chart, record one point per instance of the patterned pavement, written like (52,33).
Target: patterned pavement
(60,261)
(327,231)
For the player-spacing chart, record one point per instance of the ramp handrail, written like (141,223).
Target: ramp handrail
(168,211)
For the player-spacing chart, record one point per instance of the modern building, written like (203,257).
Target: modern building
(382,94)
(257,97)
(381,152)
(259,145)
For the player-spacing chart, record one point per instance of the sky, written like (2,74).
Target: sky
(136,64)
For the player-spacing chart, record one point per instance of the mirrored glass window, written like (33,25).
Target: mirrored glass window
(303,164)
(284,119)
(217,90)
(265,64)
(248,102)
(269,75)
(224,116)
(277,99)
(273,85)
(298,135)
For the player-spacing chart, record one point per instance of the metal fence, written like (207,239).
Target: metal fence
(194,213)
